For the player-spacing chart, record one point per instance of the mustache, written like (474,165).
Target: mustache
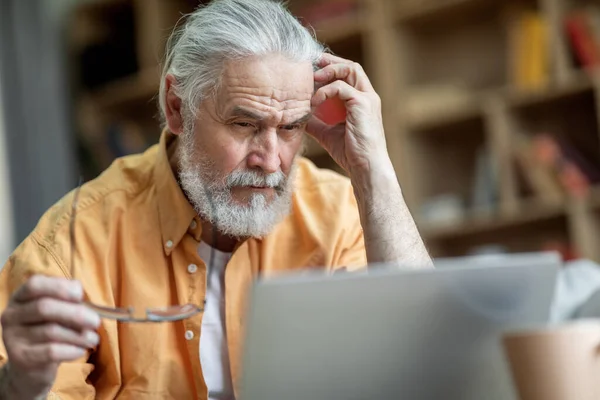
(276,180)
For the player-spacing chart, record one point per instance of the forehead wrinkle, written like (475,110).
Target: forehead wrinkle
(270,92)
(265,103)
(272,114)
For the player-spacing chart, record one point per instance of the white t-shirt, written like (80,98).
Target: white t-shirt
(214,354)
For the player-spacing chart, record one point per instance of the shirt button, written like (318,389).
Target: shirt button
(169,244)
(192,268)
(189,335)
(193,225)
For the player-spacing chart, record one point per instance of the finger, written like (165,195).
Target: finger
(45,286)
(55,333)
(353,74)
(323,132)
(340,89)
(317,128)
(48,310)
(43,354)
(328,58)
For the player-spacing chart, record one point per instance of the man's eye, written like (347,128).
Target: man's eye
(244,124)
(291,127)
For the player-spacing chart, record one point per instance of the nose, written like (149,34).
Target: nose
(265,152)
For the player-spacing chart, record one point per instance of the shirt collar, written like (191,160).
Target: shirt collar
(176,214)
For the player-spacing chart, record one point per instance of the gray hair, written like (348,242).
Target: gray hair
(229,30)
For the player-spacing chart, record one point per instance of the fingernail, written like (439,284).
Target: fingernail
(93,319)
(74,352)
(75,289)
(92,338)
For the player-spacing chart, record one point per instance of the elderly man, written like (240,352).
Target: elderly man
(223,198)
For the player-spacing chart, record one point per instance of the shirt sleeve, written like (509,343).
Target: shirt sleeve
(32,257)
(354,257)
(352,254)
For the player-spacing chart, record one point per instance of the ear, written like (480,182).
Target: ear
(173,111)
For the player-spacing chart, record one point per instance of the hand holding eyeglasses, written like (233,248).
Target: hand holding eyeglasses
(129,314)
(44,324)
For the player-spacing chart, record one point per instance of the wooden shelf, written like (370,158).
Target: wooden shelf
(340,28)
(137,88)
(95,6)
(520,99)
(416,11)
(88,25)
(530,212)
(457,114)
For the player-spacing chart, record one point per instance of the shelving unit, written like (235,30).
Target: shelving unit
(464,47)
(453,112)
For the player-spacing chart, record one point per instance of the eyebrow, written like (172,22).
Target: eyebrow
(302,120)
(243,112)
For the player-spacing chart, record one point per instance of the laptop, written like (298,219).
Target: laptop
(392,333)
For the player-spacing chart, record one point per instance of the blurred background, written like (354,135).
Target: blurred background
(490,108)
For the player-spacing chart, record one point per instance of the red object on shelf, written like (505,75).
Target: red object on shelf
(332,111)
(582,39)
(573,172)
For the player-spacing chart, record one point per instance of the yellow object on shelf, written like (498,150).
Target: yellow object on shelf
(528,51)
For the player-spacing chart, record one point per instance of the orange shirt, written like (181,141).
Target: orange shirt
(136,236)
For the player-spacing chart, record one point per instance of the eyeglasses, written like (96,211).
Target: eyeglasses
(129,314)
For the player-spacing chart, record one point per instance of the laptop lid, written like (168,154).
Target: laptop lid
(390,333)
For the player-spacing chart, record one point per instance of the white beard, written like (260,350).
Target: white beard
(210,194)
